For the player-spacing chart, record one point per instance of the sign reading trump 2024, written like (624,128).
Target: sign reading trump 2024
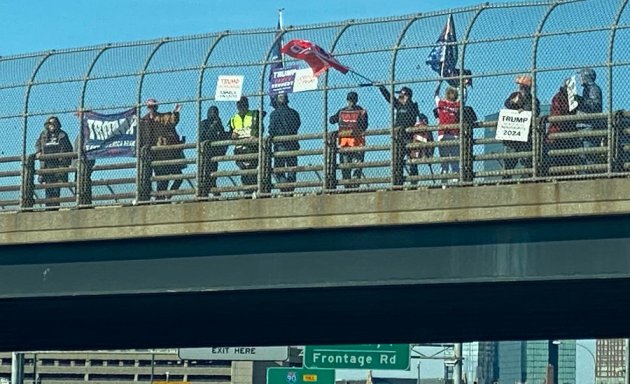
(109,135)
(513,125)
(229,88)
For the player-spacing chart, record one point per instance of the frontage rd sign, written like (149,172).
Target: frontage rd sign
(358,356)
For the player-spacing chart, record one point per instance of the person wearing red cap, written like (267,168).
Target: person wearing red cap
(158,129)
(521,100)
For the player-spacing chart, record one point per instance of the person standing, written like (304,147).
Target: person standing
(353,122)
(560,107)
(591,102)
(53,140)
(407,114)
(521,100)
(158,129)
(211,129)
(447,111)
(244,125)
(284,121)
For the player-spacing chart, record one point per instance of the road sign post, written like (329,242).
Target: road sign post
(281,375)
(358,356)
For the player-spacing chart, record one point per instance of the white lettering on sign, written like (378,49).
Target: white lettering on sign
(359,360)
(513,125)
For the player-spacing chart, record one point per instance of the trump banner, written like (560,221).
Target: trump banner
(318,59)
(109,135)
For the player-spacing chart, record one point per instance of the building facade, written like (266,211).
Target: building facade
(610,361)
(512,362)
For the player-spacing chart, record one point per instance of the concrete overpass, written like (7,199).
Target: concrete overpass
(487,262)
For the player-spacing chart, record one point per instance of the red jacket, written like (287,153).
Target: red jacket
(560,107)
(448,113)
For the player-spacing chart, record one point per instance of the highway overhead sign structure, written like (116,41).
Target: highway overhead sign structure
(358,356)
(235,353)
(281,375)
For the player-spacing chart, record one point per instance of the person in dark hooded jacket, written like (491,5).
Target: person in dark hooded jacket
(284,121)
(407,114)
(53,140)
(591,102)
(211,129)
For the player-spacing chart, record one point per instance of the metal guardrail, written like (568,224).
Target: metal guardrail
(496,42)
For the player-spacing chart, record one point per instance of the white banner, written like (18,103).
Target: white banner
(229,88)
(513,125)
(304,80)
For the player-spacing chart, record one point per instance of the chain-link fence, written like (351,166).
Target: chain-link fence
(565,61)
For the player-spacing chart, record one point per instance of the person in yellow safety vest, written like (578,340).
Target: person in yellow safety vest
(244,125)
(353,121)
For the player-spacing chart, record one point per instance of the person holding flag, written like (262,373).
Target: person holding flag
(443,59)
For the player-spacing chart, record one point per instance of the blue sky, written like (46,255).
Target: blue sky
(39,25)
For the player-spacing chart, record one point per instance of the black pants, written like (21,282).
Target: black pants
(349,173)
(247,164)
(53,193)
(286,177)
(518,146)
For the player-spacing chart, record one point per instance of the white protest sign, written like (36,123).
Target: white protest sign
(304,80)
(571,93)
(229,88)
(513,125)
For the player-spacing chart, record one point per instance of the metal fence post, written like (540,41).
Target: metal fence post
(330,166)
(28,182)
(265,167)
(203,171)
(144,174)
(398,156)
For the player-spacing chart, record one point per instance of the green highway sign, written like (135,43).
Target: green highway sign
(283,375)
(358,356)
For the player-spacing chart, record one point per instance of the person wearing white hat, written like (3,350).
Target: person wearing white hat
(158,129)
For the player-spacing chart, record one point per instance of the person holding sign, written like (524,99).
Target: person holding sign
(560,107)
(243,126)
(158,129)
(521,100)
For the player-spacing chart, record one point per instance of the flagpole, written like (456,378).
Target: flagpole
(281,27)
(363,77)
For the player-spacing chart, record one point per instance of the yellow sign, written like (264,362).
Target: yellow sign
(309,378)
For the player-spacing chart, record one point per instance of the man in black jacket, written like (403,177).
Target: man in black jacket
(407,113)
(284,121)
(211,129)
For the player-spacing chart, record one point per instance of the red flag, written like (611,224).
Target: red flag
(316,58)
